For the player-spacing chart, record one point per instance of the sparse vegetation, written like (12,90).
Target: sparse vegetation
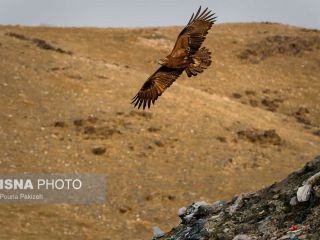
(40,43)
(279,44)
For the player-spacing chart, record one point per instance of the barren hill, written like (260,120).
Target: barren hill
(249,120)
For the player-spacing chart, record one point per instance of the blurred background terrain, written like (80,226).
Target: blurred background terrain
(247,121)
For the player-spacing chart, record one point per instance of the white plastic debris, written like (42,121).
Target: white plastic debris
(182,211)
(315,179)
(304,192)
(242,237)
(157,232)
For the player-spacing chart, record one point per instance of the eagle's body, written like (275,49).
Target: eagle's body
(178,58)
(186,56)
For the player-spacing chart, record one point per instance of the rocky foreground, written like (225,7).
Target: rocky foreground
(289,209)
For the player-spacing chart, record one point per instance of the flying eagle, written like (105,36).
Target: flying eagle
(185,56)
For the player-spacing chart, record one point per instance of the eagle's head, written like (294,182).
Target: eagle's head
(163,61)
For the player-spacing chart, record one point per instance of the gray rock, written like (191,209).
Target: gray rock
(237,204)
(288,236)
(293,201)
(304,192)
(217,217)
(218,205)
(264,226)
(192,210)
(196,231)
(242,237)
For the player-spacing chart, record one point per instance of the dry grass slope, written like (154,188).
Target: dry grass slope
(247,121)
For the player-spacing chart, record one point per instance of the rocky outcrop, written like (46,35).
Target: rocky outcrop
(289,209)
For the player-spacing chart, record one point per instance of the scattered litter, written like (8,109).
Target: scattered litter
(157,232)
(242,237)
(304,192)
(182,211)
(293,228)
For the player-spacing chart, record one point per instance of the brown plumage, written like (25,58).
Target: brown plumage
(186,56)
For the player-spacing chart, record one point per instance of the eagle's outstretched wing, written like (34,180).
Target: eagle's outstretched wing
(193,35)
(155,85)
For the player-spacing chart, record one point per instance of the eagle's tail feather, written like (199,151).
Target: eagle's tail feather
(201,60)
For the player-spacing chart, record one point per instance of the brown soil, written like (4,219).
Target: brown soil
(66,94)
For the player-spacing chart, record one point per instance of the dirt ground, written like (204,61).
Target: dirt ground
(247,121)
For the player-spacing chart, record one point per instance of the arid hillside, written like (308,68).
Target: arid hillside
(247,121)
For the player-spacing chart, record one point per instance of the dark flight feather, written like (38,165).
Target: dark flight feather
(156,84)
